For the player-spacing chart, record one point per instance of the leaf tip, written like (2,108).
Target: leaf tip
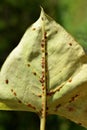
(42,13)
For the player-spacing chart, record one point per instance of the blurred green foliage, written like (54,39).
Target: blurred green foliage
(15,17)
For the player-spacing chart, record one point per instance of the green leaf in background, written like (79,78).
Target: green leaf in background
(46,73)
(74,19)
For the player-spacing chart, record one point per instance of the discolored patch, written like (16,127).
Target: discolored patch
(45,35)
(50,93)
(54,91)
(6,81)
(73,98)
(57,107)
(80,124)
(11,90)
(70,80)
(59,88)
(39,95)
(42,45)
(19,101)
(42,19)
(70,44)
(33,29)
(15,94)
(46,53)
(31,106)
(28,65)
(35,73)
(42,80)
(47,108)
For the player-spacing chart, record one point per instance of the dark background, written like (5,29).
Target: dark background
(15,17)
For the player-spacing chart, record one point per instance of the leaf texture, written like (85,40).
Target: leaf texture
(65,73)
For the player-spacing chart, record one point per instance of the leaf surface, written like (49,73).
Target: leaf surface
(63,75)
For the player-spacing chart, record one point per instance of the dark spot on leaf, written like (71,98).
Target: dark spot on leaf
(59,88)
(43,62)
(39,95)
(40,112)
(50,93)
(43,65)
(57,107)
(43,72)
(34,54)
(34,29)
(35,73)
(29,105)
(6,81)
(70,109)
(46,53)
(42,18)
(70,44)
(70,80)
(19,101)
(42,45)
(45,35)
(47,108)
(73,98)
(56,31)
(43,88)
(42,80)
(28,65)
(11,90)
(15,94)
(80,124)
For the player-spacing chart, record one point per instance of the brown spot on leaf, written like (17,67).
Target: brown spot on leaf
(40,112)
(46,53)
(57,107)
(6,81)
(47,108)
(42,18)
(43,62)
(45,35)
(39,95)
(56,31)
(34,29)
(42,80)
(80,124)
(59,88)
(42,45)
(11,90)
(43,65)
(43,72)
(70,109)
(29,105)
(73,98)
(19,101)
(43,87)
(54,90)
(35,73)
(28,65)
(70,80)
(50,93)
(15,94)
(70,44)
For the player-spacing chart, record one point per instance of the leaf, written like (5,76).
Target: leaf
(46,73)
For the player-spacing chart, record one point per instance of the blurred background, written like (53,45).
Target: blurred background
(15,17)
